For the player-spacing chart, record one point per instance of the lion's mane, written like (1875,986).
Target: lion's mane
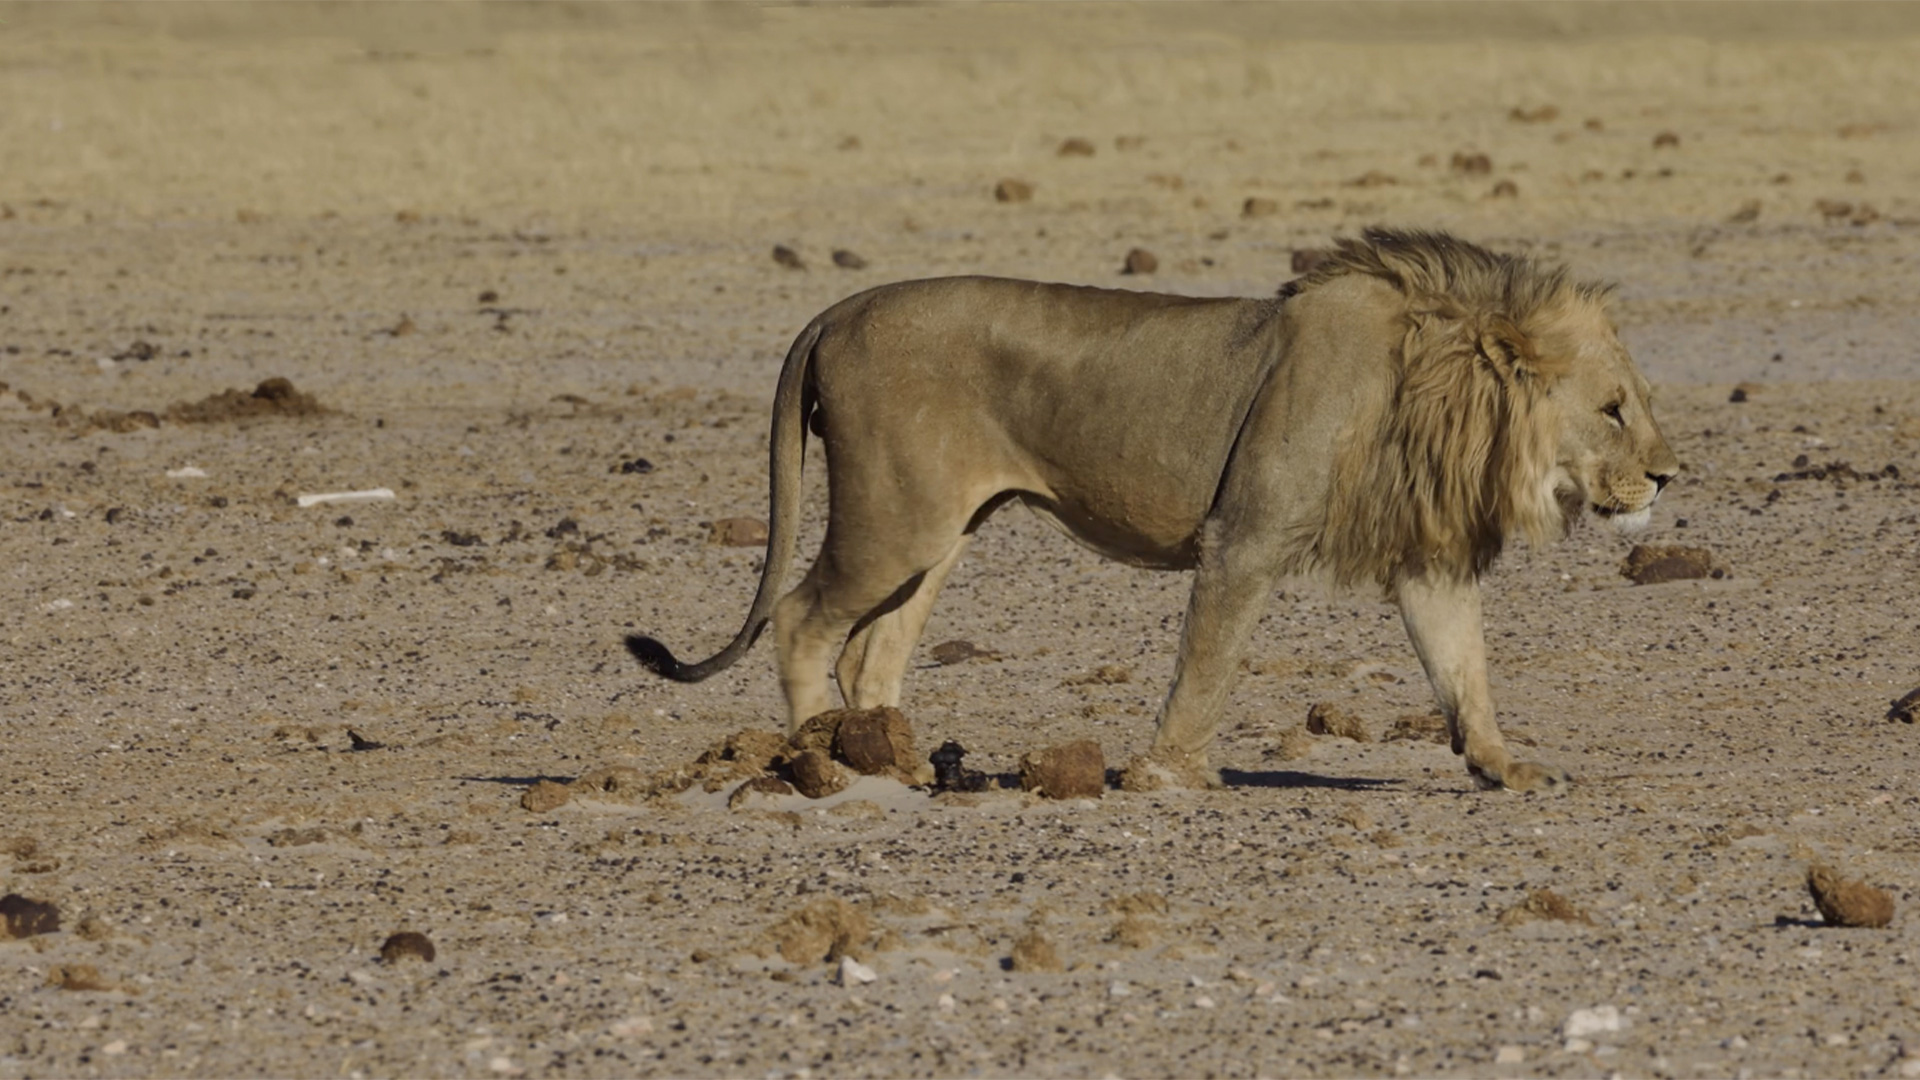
(1462,454)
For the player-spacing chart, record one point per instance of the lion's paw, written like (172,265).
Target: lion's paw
(1156,772)
(1524,776)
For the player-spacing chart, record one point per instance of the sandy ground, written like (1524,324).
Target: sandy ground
(513,250)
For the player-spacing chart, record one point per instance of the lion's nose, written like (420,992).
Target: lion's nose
(1660,481)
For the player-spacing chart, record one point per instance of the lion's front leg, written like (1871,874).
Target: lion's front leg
(1230,590)
(1442,617)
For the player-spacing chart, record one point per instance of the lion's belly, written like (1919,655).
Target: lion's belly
(1154,541)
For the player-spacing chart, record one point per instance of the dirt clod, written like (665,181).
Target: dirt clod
(874,741)
(788,257)
(1544,904)
(405,944)
(959,652)
(847,260)
(1666,140)
(1326,718)
(824,930)
(1292,745)
(759,787)
(1257,207)
(1140,261)
(1472,164)
(1417,727)
(1012,191)
(1648,564)
(25,918)
(1848,903)
(545,796)
(617,782)
(79,977)
(1906,708)
(1033,952)
(1076,147)
(1539,114)
(816,775)
(275,397)
(1075,770)
(738,532)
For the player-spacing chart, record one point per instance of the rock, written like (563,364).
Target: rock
(79,977)
(1326,718)
(959,652)
(816,775)
(847,260)
(544,796)
(1076,148)
(1905,709)
(1510,1055)
(1540,114)
(405,944)
(758,789)
(1104,675)
(1140,261)
(828,930)
(788,257)
(874,742)
(1599,1020)
(1504,189)
(1647,564)
(738,532)
(1666,140)
(1256,207)
(1074,770)
(1848,903)
(1748,213)
(24,918)
(1012,191)
(855,973)
(1033,952)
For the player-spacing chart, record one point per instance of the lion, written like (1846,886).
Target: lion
(1389,420)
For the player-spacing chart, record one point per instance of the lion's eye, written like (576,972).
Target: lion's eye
(1613,413)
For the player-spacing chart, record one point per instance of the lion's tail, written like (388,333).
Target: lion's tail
(792,402)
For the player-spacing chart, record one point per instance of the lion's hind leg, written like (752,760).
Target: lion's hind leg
(874,662)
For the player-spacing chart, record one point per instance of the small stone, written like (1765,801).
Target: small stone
(1326,718)
(788,257)
(545,795)
(26,918)
(855,973)
(1075,770)
(1076,148)
(1666,140)
(1509,1055)
(79,977)
(1033,952)
(1472,164)
(1504,189)
(1599,1020)
(1848,903)
(1140,261)
(1012,191)
(1293,744)
(816,775)
(958,652)
(1748,213)
(1540,114)
(115,1048)
(1647,564)
(1544,904)
(632,1027)
(1119,990)
(738,532)
(405,944)
(1256,207)
(847,260)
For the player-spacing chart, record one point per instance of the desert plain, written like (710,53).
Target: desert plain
(516,265)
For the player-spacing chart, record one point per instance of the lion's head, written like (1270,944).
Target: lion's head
(1513,408)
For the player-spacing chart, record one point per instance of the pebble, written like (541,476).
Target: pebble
(1599,1020)
(1203,1002)
(855,973)
(115,1048)
(630,1027)
(946,1003)
(1910,1068)
(1509,1055)
(1119,990)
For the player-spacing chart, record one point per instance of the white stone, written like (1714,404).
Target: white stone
(1910,1067)
(1119,989)
(1578,1046)
(1509,1055)
(853,972)
(115,1048)
(1203,1002)
(1599,1020)
(631,1027)
(946,1003)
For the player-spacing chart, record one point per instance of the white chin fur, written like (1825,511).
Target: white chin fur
(1630,523)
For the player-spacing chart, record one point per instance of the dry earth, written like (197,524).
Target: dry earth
(512,251)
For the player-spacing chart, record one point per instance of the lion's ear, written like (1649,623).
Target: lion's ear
(1508,348)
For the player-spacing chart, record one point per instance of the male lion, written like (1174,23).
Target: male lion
(1390,418)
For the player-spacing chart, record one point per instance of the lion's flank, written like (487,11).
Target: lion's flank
(1462,455)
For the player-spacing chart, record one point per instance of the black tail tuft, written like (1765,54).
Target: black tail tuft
(656,658)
